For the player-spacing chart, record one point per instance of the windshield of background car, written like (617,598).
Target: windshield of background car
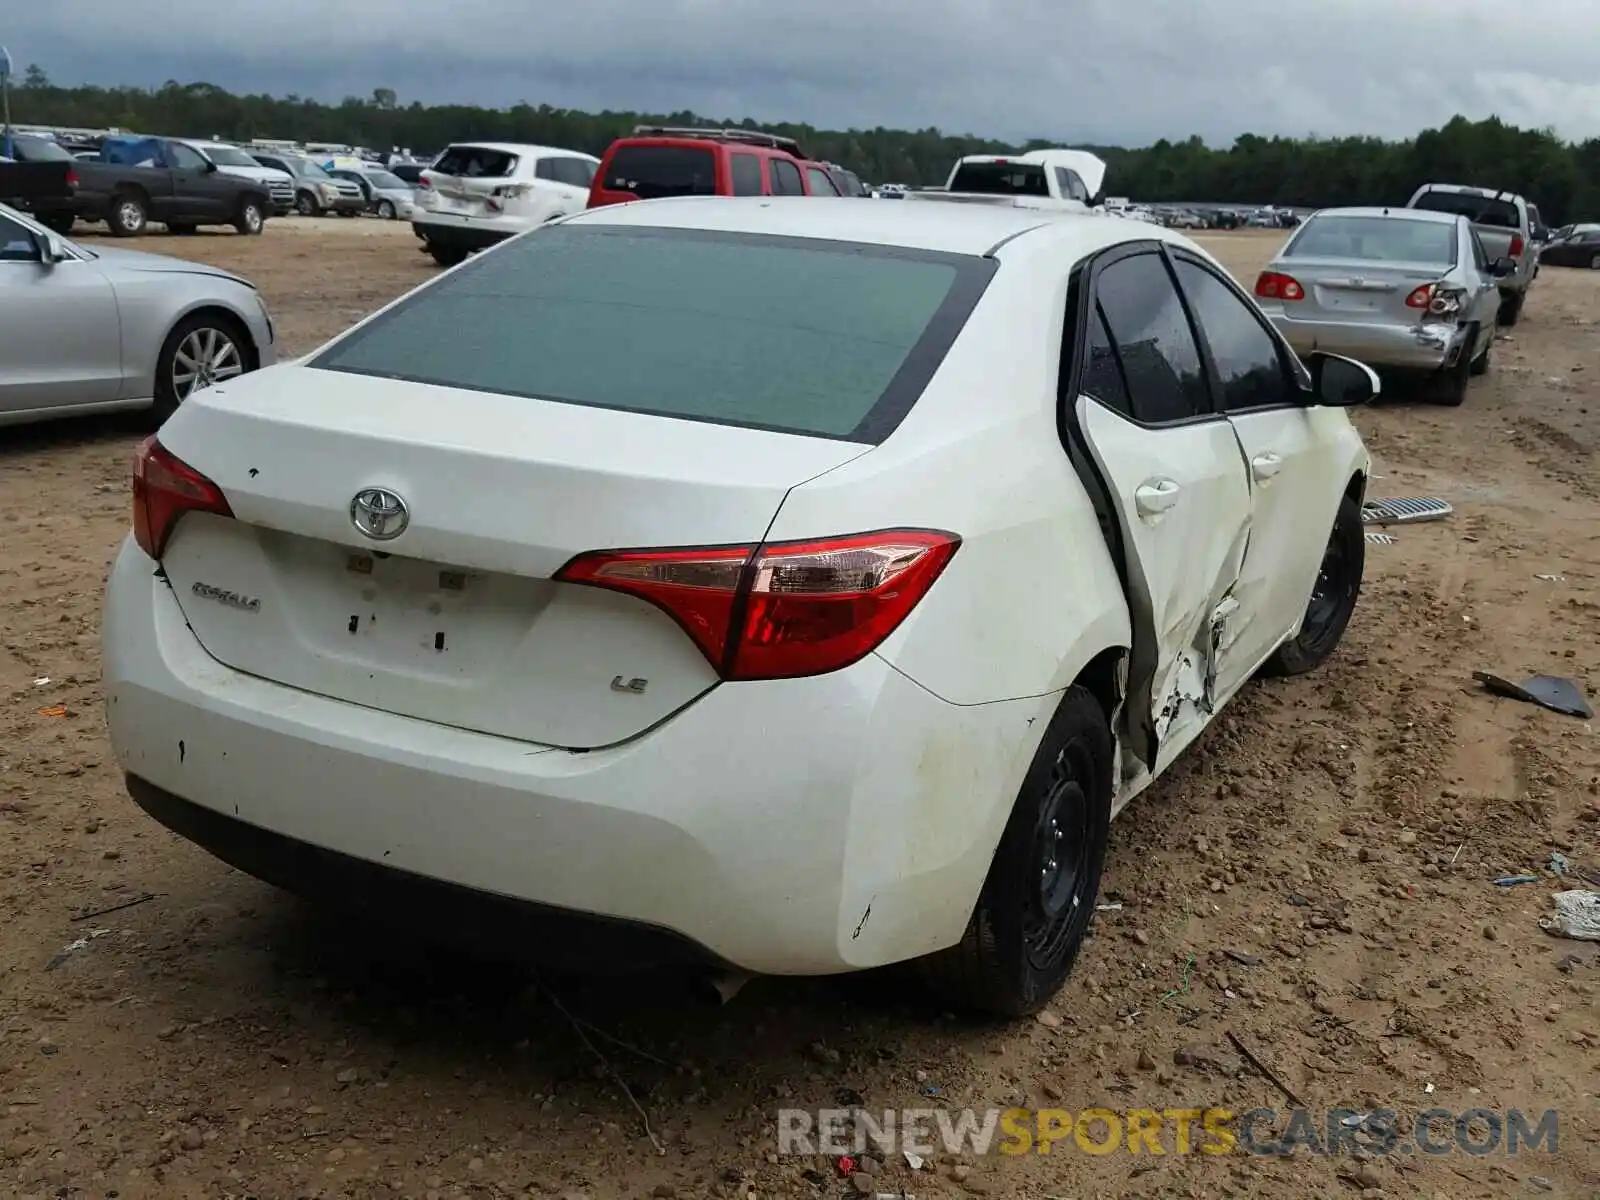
(1001,179)
(1380,239)
(35,149)
(822,338)
(1480,210)
(476,162)
(651,172)
(227,156)
(306,169)
(386,181)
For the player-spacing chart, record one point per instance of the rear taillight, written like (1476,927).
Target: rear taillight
(422,182)
(1516,245)
(72,177)
(1436,299)
(1271,285)
(784,609)
(164,488)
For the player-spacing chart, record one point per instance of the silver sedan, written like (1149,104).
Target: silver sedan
(86,331)
(1396,288)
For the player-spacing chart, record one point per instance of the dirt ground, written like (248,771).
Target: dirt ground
(1316,878)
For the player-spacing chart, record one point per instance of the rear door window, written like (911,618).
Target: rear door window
(746,171)
(828,339)
(786,178)
(1147,322)
(476,162)
(652,172)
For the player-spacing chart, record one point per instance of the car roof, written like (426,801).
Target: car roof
(1395,212)
(1467,189)
(521,148)
(933,226)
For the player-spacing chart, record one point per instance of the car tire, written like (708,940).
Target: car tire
(1480,365)
(129,214)
(1036,904)
(202,330)
(1333,597)
(61,223)
(306,205)
(386,210)
(1594,263)
(1450,385)
(446,256)
(1511,309)
(250,221)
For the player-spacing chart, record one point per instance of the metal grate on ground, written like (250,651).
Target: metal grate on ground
(1405,510)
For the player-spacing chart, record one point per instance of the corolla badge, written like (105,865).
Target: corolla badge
(379,514)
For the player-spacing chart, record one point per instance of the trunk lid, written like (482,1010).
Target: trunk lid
(457,620)
(1357,290)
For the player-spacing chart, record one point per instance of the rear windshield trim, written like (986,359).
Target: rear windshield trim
(972,277)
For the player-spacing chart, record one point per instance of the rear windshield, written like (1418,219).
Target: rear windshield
(1381,239)
(37,150)
(651,172)
(1480,210)
(1001,179)
(823,338)
(476,162)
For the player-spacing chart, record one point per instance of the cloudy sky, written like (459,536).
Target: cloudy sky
(1123,71)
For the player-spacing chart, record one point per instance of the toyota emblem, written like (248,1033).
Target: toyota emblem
(379,514)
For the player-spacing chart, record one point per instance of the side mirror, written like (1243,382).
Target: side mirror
(48,249)
(211,167)
(1501,267)
(1340,382)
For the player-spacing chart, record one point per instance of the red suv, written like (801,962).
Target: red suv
(657,162)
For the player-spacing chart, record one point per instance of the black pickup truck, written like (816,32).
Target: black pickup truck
(139,180)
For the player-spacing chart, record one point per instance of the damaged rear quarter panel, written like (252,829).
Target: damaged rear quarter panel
(1032,595)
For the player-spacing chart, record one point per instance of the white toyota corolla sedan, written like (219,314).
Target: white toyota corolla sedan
(791,588)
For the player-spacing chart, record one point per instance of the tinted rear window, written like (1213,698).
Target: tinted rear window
(651,172)
(1382,239)
(1002,179)
(476,162)
(1481,210)
(830,339)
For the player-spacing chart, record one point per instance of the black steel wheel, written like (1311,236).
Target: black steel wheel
(1037,902)
(1333,597)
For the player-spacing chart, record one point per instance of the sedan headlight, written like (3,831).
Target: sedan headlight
(327,190)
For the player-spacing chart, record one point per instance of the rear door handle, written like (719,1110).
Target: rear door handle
(1265,466)
(1156,497)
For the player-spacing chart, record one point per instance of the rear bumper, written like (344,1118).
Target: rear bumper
(806,826)
(1426,347)
(454,232)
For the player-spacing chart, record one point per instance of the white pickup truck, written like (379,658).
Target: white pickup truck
(1064,180)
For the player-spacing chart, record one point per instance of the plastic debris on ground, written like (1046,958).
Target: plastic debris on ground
(1554,692)
(1574,915)
(1513,880)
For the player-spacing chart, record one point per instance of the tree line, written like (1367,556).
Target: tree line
(1563,179)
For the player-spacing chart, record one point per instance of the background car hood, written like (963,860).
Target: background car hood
(130,262)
